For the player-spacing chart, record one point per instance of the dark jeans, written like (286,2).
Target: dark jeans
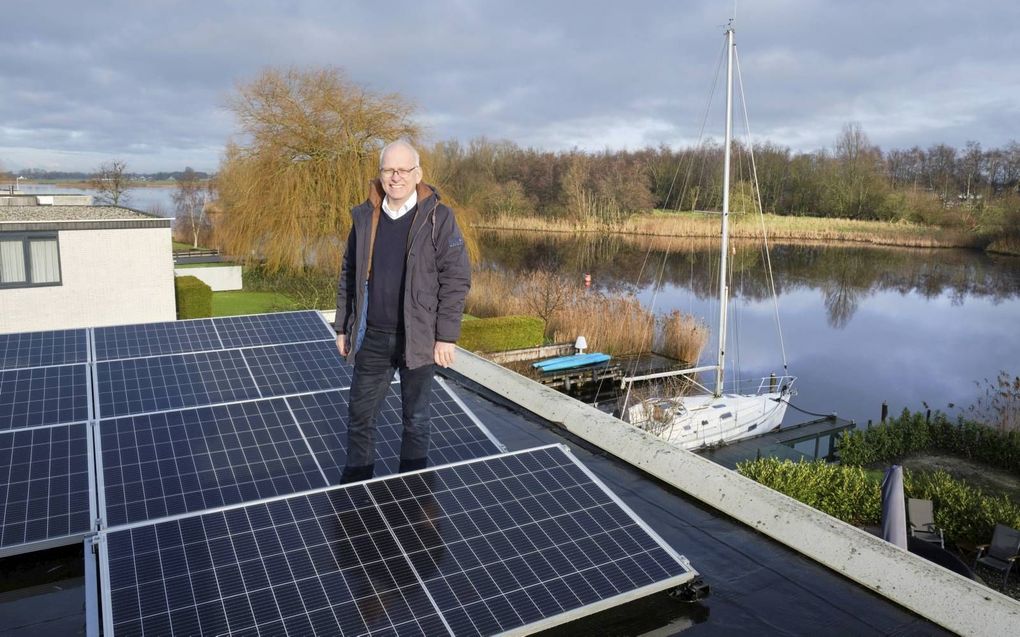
(382,353)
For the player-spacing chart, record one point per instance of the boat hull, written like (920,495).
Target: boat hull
(693,422)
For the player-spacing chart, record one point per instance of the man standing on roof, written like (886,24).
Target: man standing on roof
(399,301)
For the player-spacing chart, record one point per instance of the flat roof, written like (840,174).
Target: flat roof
(22,218)
(758,585)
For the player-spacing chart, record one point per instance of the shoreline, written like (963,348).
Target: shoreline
(781,230)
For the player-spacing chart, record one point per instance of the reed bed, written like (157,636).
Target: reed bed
(780,228)
(615,324)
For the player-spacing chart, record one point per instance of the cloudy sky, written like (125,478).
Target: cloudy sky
(146,81)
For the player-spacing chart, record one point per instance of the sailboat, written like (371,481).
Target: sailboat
(715,417)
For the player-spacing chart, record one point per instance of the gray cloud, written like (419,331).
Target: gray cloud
(146,82)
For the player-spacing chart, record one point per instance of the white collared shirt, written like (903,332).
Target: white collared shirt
(403,210)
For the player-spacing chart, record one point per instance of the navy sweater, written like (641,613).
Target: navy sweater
(389,271)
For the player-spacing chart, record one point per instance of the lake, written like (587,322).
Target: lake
(142,199)
(862,325)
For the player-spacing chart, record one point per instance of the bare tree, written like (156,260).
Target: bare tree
(189,201)
(110,183)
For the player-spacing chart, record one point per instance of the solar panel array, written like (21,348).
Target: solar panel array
(204,458)
(46,495)
(183,416)
(515,542)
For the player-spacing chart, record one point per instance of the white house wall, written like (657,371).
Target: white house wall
(218,278)
(109,277)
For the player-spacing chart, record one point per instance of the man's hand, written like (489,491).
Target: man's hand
(444,353)
(342,344)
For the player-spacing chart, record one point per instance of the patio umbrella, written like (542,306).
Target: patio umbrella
(894,517)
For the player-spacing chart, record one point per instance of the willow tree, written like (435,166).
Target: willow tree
(307,149)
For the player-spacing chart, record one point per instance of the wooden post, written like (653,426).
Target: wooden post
(885,410)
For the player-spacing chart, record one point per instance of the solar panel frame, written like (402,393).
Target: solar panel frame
(308,320)
(201,458)
(43,396)
(235,545)
(142,340)
(296,368)
(316,413)
(39,349)
(211,378)
(80,521)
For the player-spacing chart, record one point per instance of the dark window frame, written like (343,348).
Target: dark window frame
(26,239)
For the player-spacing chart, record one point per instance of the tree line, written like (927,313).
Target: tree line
(855,179)
(308,140)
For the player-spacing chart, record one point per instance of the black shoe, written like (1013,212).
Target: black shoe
(357,474)
(412,465)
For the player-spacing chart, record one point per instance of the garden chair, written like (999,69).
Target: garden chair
(1002,552)
(921,522)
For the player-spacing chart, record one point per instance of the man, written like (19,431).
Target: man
(399,301)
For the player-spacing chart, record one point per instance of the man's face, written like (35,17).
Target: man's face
(398,183)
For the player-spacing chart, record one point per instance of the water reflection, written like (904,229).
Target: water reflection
(845,275)
(143,199)
(862,324)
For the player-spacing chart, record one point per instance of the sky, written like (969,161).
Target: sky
(147,82)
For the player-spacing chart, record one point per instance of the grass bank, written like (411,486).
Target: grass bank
(780,228)
(240,302)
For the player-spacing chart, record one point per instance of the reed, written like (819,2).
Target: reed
(682,337)
(615,324)
(612,324)
(780,228)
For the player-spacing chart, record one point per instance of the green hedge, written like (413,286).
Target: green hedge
(194,298)
(911,433)
(963,512)
(501,333)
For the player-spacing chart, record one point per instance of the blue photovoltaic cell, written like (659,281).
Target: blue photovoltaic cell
(40,349)
(323,418)
(44,490)
(172,382)
(298,367)
(179,461)
(499,544)
(43,396)
(155,339)
(273,329)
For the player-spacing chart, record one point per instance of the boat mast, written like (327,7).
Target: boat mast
(723,268)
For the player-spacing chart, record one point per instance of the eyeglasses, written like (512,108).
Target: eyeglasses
(400,172)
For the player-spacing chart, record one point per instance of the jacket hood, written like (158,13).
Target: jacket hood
(376,193)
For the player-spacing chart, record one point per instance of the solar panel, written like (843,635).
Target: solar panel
(173,382)
(323,418)
(516,542)
(273,329)
(154,339)
(298,367)
(44,491)
(43,396)
(174,462)
(41,349)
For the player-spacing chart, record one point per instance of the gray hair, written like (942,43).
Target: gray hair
(400,142)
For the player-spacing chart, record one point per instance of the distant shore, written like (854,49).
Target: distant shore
(84,185)
(780,228)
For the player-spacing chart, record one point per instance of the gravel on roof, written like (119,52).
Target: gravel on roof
(70,213)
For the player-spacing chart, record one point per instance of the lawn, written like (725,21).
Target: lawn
(240,302)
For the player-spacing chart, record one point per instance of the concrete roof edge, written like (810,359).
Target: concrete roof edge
(939,595)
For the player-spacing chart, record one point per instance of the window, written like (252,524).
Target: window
(29,260)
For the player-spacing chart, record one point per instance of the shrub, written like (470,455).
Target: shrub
(963,512)
(501,333)
(841,491)
(194,298)
(912,432)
